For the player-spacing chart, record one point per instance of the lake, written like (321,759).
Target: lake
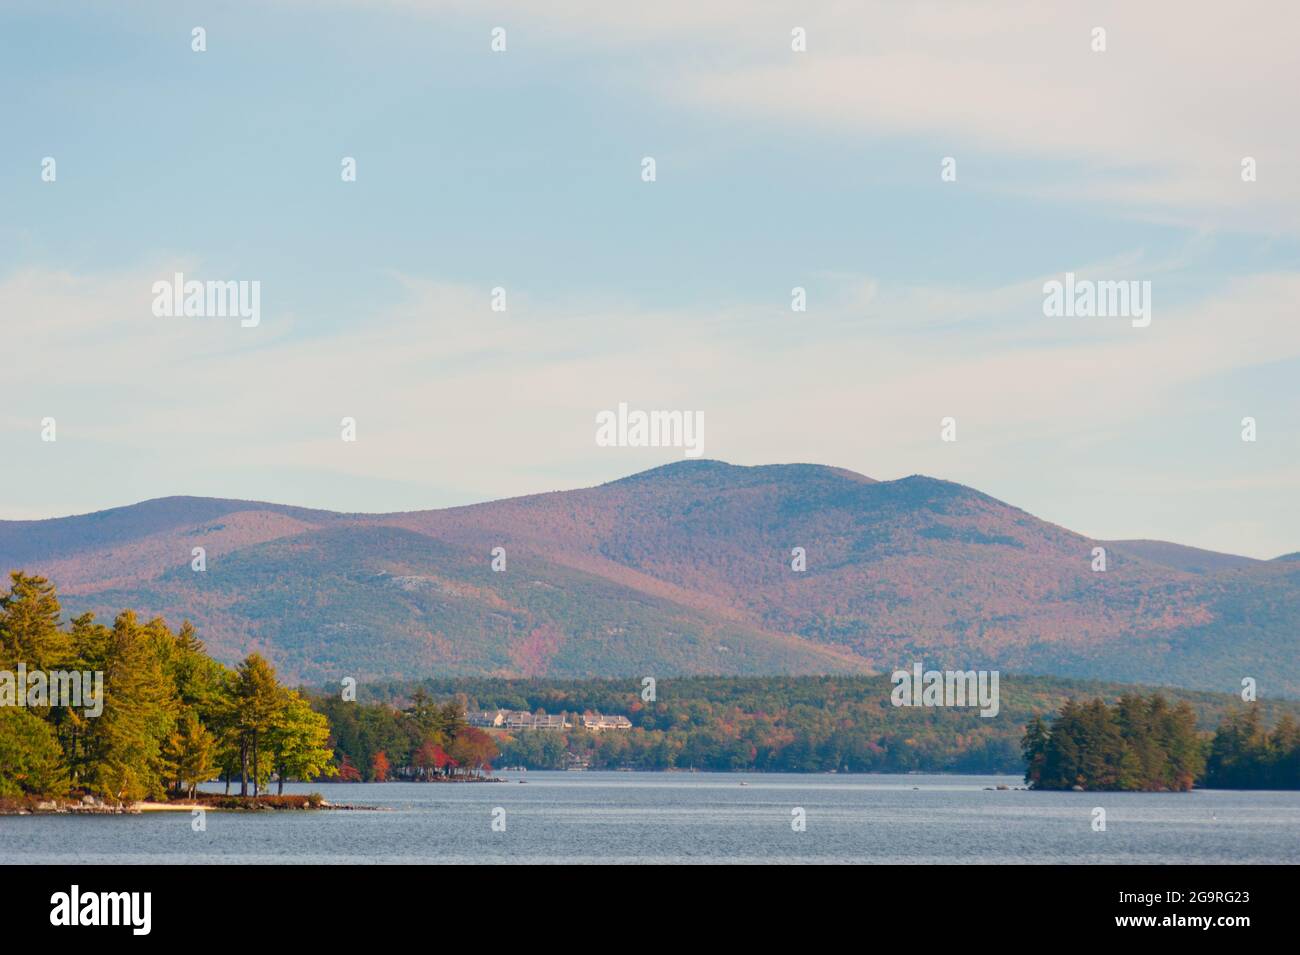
(616,817)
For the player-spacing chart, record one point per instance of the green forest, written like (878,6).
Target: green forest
(1243,755)
(1142,743)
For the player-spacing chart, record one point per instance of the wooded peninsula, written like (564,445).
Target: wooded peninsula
(169,717)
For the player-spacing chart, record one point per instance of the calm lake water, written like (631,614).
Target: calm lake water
(696,817)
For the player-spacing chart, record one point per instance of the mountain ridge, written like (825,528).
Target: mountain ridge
(684,568)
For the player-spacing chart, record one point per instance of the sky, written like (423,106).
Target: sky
(775,168)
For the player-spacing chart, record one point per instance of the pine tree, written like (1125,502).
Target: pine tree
(29,625)
(1238,752)
(124,745)
(258,703)
(1143,763)
(1183,746)
(1061,763)
(89,644)
(31,761)
(191,753)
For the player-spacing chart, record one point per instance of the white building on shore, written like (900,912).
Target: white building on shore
(517,720)
(598,722)
(523,720)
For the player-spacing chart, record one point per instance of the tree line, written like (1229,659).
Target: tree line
(803,724)
(1143,743)
(1243,755)
(422,740)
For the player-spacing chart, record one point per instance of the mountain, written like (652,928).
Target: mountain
(682,569)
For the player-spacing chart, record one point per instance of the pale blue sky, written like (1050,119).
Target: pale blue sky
(775,169)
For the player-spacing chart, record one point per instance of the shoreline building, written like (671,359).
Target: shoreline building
(598,722)
(519,720)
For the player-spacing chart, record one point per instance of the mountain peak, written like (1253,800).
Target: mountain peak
(709,470)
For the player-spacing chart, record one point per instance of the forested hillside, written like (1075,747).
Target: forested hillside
(698,567)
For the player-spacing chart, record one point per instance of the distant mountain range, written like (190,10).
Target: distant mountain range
(682,569)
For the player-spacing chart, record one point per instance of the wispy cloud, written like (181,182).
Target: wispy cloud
(448,392)
(1157,124)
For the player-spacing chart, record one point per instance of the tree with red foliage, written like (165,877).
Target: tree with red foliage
(473,749)
(431,759)
(379,767)
(347,772)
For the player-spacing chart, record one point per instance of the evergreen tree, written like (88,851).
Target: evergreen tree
(29,625)
(191,753)
(1183,746)
(258,701)
(124,744)
(1139,744)
(1240,752)
(31,760)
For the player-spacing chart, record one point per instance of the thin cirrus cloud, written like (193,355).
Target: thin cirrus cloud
(1161,119)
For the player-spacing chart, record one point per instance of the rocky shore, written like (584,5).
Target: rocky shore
(93,805)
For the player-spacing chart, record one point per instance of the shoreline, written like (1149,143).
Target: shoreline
(61,807)
(214,802)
